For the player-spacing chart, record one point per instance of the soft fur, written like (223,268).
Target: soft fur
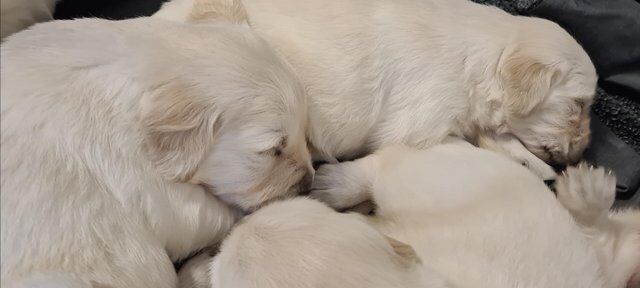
(122,143)
(380,72)
(474,218)
(16,15)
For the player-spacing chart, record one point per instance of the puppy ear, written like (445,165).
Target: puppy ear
(525,80)
(178,127)
(403,250)
(230,10)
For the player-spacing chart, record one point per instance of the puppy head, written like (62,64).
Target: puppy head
(548,84)
(236,126)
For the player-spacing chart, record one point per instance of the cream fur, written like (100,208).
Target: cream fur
(16,15)
(386,71)
(473,217)
(125,145)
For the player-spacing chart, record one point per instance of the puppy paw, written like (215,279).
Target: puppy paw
(587,192)
(341,185)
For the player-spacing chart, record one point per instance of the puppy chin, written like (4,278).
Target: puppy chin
(557,153)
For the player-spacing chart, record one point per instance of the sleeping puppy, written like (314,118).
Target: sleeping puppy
(16,15)
(467,217)
(380,72)
(302,243)
(127,145)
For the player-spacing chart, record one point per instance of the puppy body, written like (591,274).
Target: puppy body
(111,131)
(478,220)
(498,218)
(302,243)
(382,72)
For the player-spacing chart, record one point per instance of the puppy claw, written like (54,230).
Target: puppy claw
(587,193)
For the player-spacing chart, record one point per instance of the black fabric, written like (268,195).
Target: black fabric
(609,151)
(109,9)
(608,29)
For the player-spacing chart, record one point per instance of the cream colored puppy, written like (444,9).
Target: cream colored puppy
(473,217)
(124,142)
(302,243)
(380,72)
(16,15)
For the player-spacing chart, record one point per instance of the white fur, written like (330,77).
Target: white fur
(380,72)
(473,217)
(304,244)
(16,15)
(118,137)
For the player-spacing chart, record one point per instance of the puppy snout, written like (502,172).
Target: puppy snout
(573,153)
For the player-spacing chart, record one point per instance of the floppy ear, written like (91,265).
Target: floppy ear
(230,10)
(525,80)
(403,250)
(177,127)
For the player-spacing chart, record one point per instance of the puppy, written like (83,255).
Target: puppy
(302,243)
(20,14)
(127,145)
(380,72)
(474,218)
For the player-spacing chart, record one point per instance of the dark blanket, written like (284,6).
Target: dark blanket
(609,30)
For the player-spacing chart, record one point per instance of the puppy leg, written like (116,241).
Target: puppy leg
(345,184)
(588,194)
(512,147)
(198,220)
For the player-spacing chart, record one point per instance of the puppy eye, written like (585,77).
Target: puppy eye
(276,151)
(273,152)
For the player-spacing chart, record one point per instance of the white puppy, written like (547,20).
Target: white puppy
(380,72)
(473,217)
(119,139)
(16,15)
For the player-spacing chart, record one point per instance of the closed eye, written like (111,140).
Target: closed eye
(276,150)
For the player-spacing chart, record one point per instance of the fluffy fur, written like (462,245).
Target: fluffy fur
(16,15)
(385,71)
(474,218)
(123,142)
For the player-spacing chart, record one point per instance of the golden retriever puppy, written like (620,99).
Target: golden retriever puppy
(380,72)
(127,145)
(467,217)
